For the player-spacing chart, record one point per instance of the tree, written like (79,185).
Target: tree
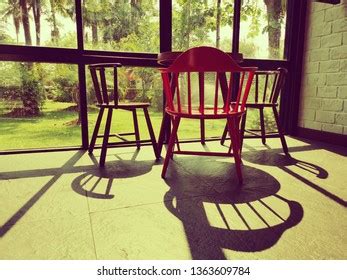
(275,13)
(36,7)
(218,22)
(12,9)
(25,21)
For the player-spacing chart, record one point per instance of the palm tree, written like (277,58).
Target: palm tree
(36,7)
(12,9)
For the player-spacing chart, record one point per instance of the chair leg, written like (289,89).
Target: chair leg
(164,124)
(96,130)
(234,131)
(105,140)
(170,147)
(151,133)
(136,129)
(280,131)
(224,136)
(243,127)
(202,131)
(177,143)
(262,126)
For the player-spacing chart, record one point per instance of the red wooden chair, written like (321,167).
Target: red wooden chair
(98,73)
(267,87)
(185,83)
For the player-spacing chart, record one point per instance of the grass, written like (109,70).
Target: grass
(54,127)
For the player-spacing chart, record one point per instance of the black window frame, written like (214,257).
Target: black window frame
(293,53)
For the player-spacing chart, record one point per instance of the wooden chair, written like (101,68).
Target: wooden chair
(102,90)
(272,83)
(199,63)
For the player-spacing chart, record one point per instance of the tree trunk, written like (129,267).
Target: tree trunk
(25,21)
(37,17)
(218,19)
(55,30)
(95,31)
(274,11)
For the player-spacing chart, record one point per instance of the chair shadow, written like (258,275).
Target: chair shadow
(283,162)
(231,207)
(91,183)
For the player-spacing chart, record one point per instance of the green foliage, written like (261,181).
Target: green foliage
(32,90)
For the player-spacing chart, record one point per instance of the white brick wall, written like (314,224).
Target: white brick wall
(323,103)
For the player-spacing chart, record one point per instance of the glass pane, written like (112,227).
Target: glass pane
(135,84)
(262,28)
(38,23)
(202,22)
(38,106)
(129,26)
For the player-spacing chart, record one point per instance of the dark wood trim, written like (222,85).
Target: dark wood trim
(236,26)
(290,98)
(40,150)
(79,25)
(323,136)
(83,110)
(165,25)
(334,2)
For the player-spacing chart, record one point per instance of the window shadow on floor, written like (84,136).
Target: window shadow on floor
(307,169)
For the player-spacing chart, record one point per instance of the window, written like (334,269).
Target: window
(262,28)
(135,84)
(129,26)
(201,22)
(52,115)
(38,23)
(38,105)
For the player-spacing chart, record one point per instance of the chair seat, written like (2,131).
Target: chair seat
(130,105)
(209,113)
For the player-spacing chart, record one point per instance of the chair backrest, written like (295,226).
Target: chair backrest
(267,85)
(202,63)
(102,90)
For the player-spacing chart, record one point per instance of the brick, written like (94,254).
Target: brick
(334,13)
(325,117)
(339,52)
(320,54)
(341,118)
(321,29)
(336,79)
(342,92)
(329,66)
(312,67)
(327,91)
(309,90)
(335,105)
(332,40)
(344,39)
(345,106)
(319,6)
(345,130)
(308,114)
(343,65)
(339,25)
(313,125)
(333,128)
(317,18)
(312,103)
(314,43)
(316,79)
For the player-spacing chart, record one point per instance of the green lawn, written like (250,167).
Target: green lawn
(55,128)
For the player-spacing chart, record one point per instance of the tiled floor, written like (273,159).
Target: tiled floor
(61,206)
